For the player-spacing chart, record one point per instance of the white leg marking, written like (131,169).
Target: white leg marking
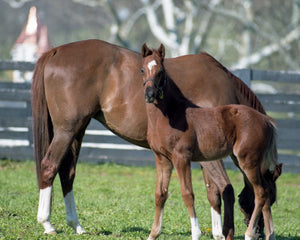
(216,221)
(247,237)
(43,216)
(151,64)
(72,218)
(196,232)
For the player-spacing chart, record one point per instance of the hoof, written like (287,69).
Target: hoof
(53,232)
(230,234)
(78,229)
(219,237)
(80,232)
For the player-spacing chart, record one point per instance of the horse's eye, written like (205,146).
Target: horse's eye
(143,71)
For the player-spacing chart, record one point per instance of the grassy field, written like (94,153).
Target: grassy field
(117,202)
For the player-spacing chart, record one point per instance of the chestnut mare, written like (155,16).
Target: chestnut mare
(180,132)
(94,79)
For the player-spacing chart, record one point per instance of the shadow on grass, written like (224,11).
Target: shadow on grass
(104,232)
(135,229)
(147,232)
(278,237)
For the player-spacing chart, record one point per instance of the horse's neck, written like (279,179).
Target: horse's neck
(172,97)
(170,110)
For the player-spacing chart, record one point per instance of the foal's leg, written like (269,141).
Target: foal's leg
(183,168)
(49,168)
(262,205)
(268,221)
(67,175)
(217,186)
(164,170)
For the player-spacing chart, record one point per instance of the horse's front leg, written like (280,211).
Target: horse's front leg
(183,168)
(164,170)
(67,175)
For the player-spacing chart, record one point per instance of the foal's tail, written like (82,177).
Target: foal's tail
(42,125)
(270,156)
(247,97)
(270,167)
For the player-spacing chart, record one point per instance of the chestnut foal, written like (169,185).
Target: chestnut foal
(180,132)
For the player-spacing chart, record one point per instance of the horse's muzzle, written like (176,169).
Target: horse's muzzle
(150,94)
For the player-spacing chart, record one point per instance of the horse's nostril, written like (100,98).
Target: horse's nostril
(150,94)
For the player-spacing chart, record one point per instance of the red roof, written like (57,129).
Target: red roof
(34,33)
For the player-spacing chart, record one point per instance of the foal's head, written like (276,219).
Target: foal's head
(153,72)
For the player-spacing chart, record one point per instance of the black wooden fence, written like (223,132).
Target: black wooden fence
(100,145)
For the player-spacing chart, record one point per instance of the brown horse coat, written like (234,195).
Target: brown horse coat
(93,79)
(180,132)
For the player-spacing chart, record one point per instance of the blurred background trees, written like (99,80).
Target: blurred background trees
(239,33)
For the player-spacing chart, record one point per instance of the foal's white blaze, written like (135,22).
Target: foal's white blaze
(72,218)
(196,232)
(216,221)
(151,64)
(43,216)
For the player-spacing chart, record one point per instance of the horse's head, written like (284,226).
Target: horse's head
(153,72)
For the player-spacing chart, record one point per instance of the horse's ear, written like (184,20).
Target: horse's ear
(161,51)
(145,50)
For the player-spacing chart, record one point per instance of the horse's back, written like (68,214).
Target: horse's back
(203,78)
(82,55)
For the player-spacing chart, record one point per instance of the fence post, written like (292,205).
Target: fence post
(245,75)
(29,123)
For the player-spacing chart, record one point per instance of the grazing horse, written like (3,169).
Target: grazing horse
(180,132)
(78,81)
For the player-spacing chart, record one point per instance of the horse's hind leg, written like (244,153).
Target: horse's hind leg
(67,175)
(164,170)
(49,168)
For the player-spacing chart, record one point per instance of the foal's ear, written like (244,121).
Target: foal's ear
(161,51)
(146,51)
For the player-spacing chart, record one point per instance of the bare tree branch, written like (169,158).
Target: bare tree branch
(90,3)
(200,35)
(156,27)
(115,28)
(267,50)
(16,3)
(188,26)
(168,9)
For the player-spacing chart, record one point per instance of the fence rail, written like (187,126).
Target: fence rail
(100,145)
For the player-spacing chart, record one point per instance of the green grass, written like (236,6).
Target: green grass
(117,202)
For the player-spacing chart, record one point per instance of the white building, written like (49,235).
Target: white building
(31,43)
